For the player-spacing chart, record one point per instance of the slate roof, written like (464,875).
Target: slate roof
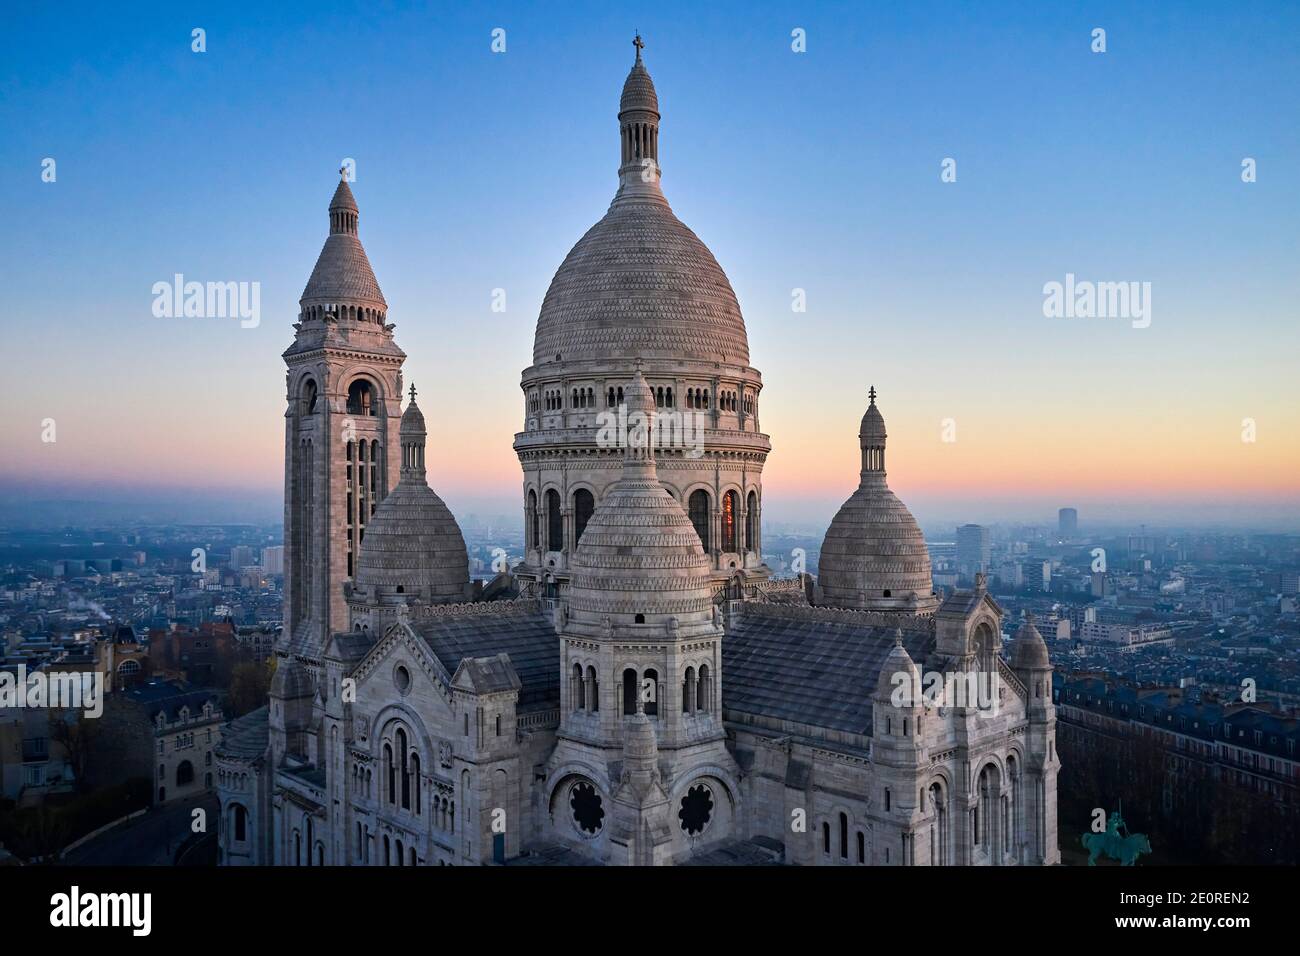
(169,698)
(528,636)
(246,736)
(818,669)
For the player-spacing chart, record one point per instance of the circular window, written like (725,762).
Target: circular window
(588,812)
(696,811)
(402,678)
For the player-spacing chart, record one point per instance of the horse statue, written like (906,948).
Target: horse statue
(1125,848)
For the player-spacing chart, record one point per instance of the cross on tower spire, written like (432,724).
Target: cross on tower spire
(412,391)
(639,44)
(872,394)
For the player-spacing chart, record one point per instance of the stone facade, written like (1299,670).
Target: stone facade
(639,693)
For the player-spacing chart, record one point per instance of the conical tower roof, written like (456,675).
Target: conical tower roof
(343,273)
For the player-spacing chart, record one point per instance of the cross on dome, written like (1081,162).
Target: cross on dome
(639,44)
(871,393)
(412,391)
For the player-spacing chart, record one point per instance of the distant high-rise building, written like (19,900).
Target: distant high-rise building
(1099,586)
(273,560)
(1067,522)
(972,549)
(1047,575)
(241,556)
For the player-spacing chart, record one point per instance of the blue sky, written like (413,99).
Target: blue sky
(818,171)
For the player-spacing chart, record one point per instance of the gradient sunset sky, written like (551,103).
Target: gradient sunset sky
(818,171)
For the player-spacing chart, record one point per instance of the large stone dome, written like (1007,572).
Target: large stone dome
(413,549)
(874,555)
(640,283)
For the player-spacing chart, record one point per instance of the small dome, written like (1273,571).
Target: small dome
(873,424)
(1030,651)
(638,89)
(412,421)
(897,662)
(414,544)
(874,555)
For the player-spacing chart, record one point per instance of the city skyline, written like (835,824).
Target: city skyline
(1126,423)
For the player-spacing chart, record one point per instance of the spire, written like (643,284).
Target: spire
(638,120)
(871,439)
(639,451)
(412,435)
(343,208)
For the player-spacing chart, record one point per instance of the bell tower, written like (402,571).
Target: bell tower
(341,451)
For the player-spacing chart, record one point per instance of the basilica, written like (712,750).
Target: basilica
(638,690)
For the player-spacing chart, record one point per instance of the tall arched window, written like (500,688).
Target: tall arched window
(703,689)
(534,520)
(826,838)
(309,397)
(241,823)
(751,522)
(652,705)
(629,692)
(844,836)
(578,691)
(593,691)
(406,773)
(391,771)
(730,519)
(688,690)
(584,504)
(554,522)
(698,508)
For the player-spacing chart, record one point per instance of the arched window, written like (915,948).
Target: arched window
(688,690)
(241,823)
(862,847)
(826,838)
(844,836)
(578,691)
(730,520)
(584,504)
(388,852)
(698,507)
(534,520)
(703,690)
(309,397)
(415,780)
(609,399)
(554,522)
(406,773)
(361,398)
(593,691)
(391,771)
(651,679)
(629,692)
(184,773)
(751,522)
